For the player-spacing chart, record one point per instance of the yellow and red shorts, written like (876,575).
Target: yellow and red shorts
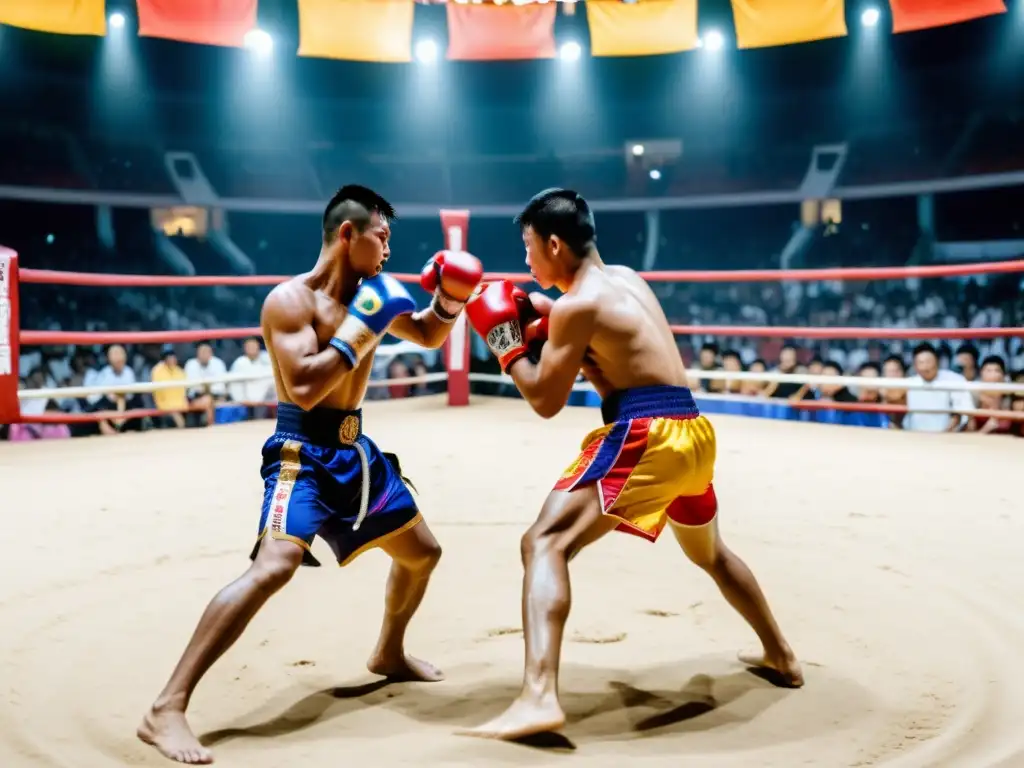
(652,462)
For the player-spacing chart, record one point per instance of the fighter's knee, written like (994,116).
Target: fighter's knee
(275,564)
(536,540)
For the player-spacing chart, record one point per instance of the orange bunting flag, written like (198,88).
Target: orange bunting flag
(910,15)
(210,22)
(496,32)
(763,23)
(61,17)
(356,30)
(646,28)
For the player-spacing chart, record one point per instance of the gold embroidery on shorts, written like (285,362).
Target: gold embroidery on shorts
(291,465)
(348,433)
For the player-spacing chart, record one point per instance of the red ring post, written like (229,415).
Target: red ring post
(455,225)
(10,410)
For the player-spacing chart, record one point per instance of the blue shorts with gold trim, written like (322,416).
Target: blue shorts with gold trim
(313,484)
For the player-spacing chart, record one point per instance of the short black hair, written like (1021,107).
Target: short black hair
(732,353)
(564,213)
(872,367)
(831,364)
(969,349)
(994,360)
(759,361)
(357,204)
(898,360)
(709,346)
(816,359)
(923,347)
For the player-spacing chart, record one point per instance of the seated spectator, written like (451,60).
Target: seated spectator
(865,394)
(788,358)
(966,361)
(926,365)
(23,432)
(115,373)
(835,393)
(254,361)
(708,361)
(174,400)
(731,362)
(894,368)
(993,369)
(755,388)
(205,365)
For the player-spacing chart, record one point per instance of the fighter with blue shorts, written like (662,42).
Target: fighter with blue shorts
(322,475)
(650,465)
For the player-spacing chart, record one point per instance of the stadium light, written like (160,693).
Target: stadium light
(713,40)
(638,150)
(870,17)
(258,41)
(426,51)
(570,51)
(117,20)
(655,174)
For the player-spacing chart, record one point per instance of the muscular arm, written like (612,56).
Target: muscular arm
(423,327)
(308,373)
(547,384)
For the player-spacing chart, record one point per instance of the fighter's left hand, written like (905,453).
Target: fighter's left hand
(456,273)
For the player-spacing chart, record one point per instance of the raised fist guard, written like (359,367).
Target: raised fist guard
(650,465)
(322,475)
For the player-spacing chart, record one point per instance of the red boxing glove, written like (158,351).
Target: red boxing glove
(451,276)
(494,313)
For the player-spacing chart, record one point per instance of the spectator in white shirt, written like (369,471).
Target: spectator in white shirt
(254,361)
(926,364)
(205,365)
(115,373)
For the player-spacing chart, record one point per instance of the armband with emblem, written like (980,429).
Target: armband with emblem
(379,300)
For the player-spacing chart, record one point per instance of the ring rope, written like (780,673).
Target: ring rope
(770,377)
(108,280)
(58,338)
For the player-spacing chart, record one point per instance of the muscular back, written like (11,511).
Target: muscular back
(632,344)
(297,322)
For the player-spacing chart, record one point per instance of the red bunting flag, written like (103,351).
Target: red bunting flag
(494,32)
(206,22)
(910,15)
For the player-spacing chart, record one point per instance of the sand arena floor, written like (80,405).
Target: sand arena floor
(892,561)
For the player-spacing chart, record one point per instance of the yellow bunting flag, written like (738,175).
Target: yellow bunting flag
(356,30)
(646,28)
(762,23)
(62,17)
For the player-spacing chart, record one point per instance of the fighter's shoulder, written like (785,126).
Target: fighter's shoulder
(289,305)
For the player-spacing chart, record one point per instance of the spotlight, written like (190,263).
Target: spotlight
(258,41)
(870,17)
(426,51)
(713,40)
(570,51)
(638,150)
(117,20)
(655,175)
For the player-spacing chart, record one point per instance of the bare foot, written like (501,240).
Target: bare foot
(168,731)
(405,669)
(784,671)
(523,718)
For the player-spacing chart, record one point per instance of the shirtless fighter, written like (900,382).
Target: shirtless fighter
(650,464)
(322,475)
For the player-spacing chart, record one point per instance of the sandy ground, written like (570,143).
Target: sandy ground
(892,560)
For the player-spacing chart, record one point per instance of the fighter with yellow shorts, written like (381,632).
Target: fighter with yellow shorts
(651,463)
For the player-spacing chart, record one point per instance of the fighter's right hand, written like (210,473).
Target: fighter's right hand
(379,300)
(494,313)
